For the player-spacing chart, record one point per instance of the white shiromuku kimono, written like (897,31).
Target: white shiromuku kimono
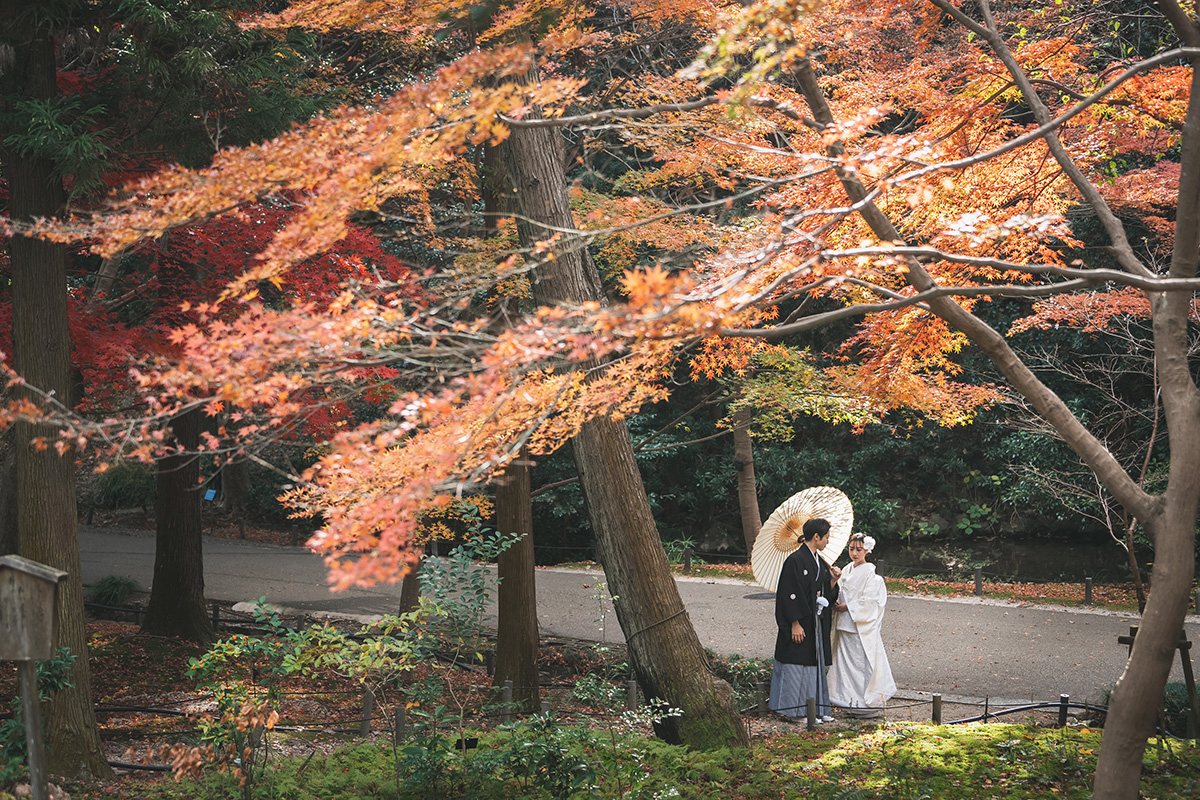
(860,676)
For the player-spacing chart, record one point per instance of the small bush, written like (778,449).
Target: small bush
(599,693)
(126,485)
(113,590)
(743,674)
(1175,706)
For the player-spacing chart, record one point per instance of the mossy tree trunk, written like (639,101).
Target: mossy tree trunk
(664,651)
(45,495)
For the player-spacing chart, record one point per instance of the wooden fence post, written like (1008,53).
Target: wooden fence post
(937,709)
(368,710)
(631,696)
(1087,591)
(1063,701)
(506,700)
(401,723)
(810,707)
(979,581)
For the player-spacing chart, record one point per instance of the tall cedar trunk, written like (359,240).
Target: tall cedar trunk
(235,487)
(516,600)
(1169,518)
(664,650)
(46,515)
(8,494)
(517,625)
(743,461)
(176,606)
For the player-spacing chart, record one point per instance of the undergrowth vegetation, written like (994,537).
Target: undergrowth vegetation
(557,759)
(444,735)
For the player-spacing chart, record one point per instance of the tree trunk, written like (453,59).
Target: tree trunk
(8,494)
(516,600)
(46,515)
(410,588)
(664,650)
(235,487)
(105,278)
(176,606)
(743,461)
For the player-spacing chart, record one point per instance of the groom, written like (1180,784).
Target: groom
(806,589)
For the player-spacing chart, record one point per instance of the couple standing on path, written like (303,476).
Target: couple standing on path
(861,678)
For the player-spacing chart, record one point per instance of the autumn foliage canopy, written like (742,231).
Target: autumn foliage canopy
(711,195)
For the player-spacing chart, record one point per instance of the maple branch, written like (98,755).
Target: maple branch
(586,236)
(1057,122)
(1074,95)
(920,299)
(649,111)
(1112,226)
(1048,404)
(612,114)
(706,401)
(1151,284)
(296,479)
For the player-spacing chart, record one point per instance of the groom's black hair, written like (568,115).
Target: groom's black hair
(814,528)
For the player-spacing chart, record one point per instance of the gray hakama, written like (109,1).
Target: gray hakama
(793,684)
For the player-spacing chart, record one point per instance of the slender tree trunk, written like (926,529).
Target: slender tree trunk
(1134,568)
(46,515)
(664,650)
(410,588)
(105,278)
(743,461)
(516,600)
(176,606)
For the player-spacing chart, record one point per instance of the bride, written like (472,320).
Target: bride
(860,677)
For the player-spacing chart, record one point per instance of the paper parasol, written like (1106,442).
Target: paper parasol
(780,533)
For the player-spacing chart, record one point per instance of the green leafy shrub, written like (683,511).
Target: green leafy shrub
(543,754)
(114,590)
(595,691)
(125,485)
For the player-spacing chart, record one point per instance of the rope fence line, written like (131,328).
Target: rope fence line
(508,709)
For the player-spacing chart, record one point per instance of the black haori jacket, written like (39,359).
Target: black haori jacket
(796,599)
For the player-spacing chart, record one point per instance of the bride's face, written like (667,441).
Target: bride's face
(858,554)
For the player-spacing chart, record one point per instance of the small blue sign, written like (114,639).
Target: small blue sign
(210,494)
